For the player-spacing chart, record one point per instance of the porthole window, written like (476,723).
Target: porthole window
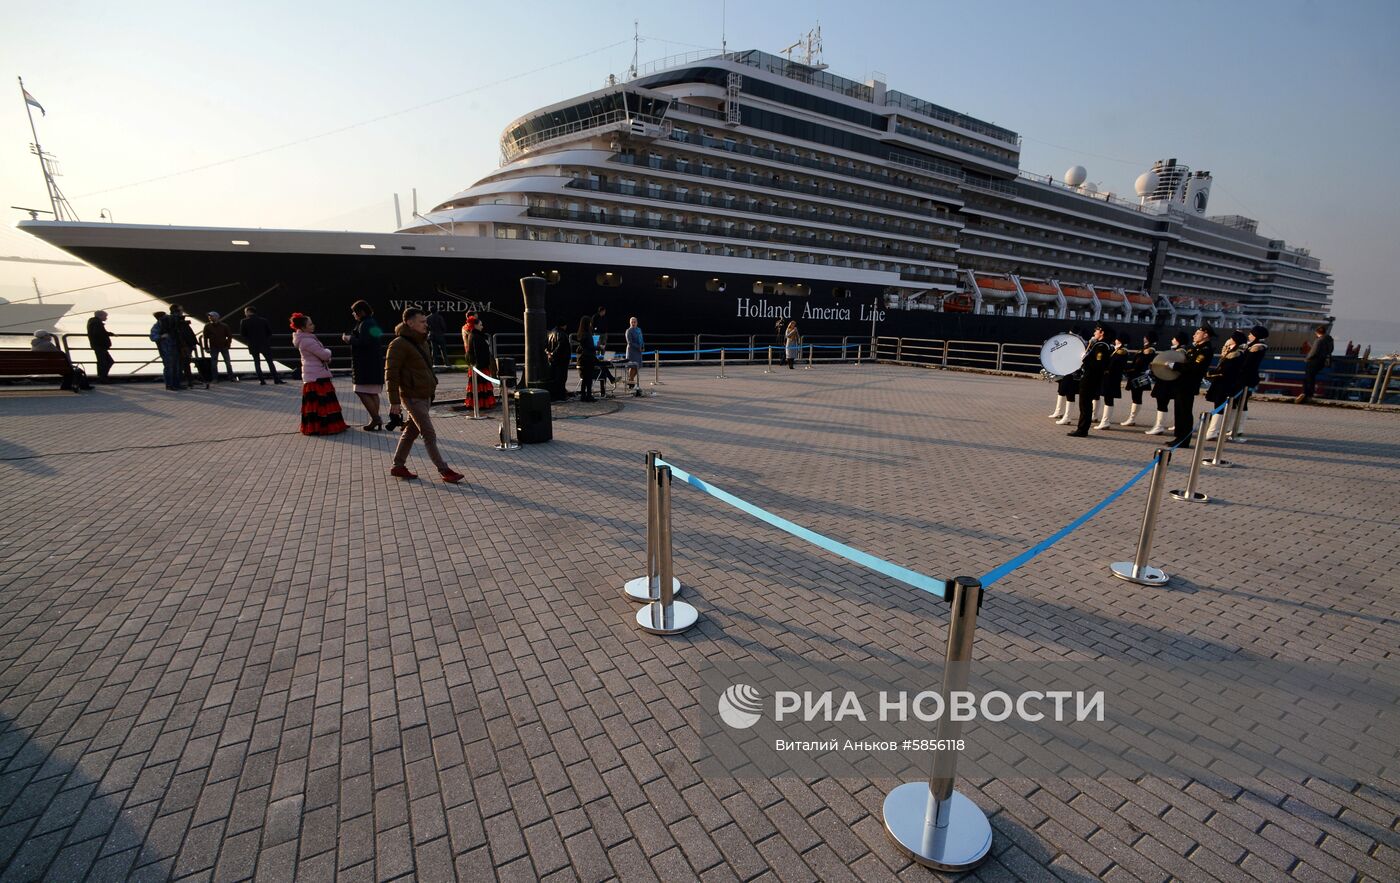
(715,285)
(666,282)
(840,292)
(551,277)
(609,279)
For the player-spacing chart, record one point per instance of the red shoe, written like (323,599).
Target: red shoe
(452,477)
(402,472)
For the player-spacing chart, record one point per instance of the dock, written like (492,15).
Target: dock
(228,651)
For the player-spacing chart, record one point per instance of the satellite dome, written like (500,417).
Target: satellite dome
(1146,183)
(1091,187)
(1075,176)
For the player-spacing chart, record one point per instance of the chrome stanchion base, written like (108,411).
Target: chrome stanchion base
(1237,439)
(1219,464)
(508,446)
(645,591)
(654,618)
(1146,576)
(1196,497)
(963,844)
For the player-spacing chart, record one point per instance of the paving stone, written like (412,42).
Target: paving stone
(377,687)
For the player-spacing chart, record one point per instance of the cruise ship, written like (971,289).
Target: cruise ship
(719,193)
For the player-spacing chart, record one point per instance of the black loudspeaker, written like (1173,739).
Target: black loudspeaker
(533,423)
(505,370)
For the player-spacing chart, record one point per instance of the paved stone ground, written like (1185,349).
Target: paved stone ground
(228,651)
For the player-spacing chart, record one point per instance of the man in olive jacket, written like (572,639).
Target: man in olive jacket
(410,383)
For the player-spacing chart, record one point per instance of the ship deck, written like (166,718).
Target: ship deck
(229,649)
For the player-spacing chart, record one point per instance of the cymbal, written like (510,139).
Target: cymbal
(1166,364)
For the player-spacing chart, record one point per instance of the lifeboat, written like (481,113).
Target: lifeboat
(995,283)
(1039,292)
(1110,296)
(1075,292)
(1140,300)
(957,302)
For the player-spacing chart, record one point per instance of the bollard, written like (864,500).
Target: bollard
(931,822)
(721,363)
(656,368)
(1216,459)
(1138,570)
(858,347)
(769,369)
(645,589)
(809,358)
(508,442)
(1237,430)
(665,616)
(1190,495)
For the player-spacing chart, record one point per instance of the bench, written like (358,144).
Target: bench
(29,363)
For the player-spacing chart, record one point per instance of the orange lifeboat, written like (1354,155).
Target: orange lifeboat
(1038,292)
(957,302)
(1109,296)
(1139,298)
(1075,292)
(996,283)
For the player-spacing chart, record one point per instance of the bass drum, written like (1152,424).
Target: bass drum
(1165,364)
(1062,354)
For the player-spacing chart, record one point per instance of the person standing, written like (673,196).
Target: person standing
(587,359)
(437,337)
(1091,378)
(217,338)
(1226,378)
(320,409)
(1319,357)
(1113,380)
(600,330)
(163,337)
(1163,393)
(186,341)
(634,356)
(100,339)
(366,341)
(257,336)
(1188,384)
(557,346)
(792,344)
(476,343)
(1256,348)
(410,383)
(1137,368)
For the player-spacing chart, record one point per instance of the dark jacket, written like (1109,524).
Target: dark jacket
(1113,374)
(216,336)
(1321,351)
(367,352)
(478,346)
(408,367)
(437,327)
(1227,377)
(1193,370)
(256,333)
(1094,367)
(185,332)
(1140,361)
(1253,361)
(99,338)
(587,355)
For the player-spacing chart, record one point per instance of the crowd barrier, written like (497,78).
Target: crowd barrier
(931,821)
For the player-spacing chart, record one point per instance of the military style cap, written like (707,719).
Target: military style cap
(1205,326)
(1259,332)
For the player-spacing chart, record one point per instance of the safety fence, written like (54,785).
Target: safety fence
(931,822)
(1370,381)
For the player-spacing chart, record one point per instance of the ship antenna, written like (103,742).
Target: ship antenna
(723,27)
(636,41)
(62,211)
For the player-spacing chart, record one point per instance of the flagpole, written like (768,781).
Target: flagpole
(48,182)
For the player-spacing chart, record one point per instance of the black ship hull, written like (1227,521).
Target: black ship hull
(668,302)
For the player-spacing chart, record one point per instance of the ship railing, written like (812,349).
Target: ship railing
(786,185)
(512,148)
(897,228)
(706,349)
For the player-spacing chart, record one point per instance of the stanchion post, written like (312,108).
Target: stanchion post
(645,589)
(858,348)
(1217,459)
(1138,570)
(809,357)
(508,442)
(1236,433)
(666,615)
(1190,494)
(721,363)
(769,369)
(931,822)
(472,375)
(656,368)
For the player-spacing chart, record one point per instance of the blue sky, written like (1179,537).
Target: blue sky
(1292,105)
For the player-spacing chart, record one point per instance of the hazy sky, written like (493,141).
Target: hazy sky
(1292,105)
